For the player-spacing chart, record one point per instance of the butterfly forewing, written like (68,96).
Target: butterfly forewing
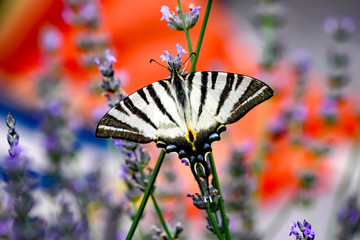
(143,116)
(228,96)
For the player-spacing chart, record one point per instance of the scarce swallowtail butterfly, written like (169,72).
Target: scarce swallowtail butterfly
(185,113)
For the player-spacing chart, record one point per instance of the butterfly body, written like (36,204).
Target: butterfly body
(184,114)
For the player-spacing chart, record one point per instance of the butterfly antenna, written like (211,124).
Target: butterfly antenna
(153,60)
(187,61)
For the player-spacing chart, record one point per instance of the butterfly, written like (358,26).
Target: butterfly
(185,113)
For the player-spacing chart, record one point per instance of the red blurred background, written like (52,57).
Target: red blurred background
(134,34)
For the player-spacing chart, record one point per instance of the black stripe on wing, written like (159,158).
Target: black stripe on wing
(139,113)
(255,93)
(203,89)
(213,79)
(226,91)
(111,127)
(158,102)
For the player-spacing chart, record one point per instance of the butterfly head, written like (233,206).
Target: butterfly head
(174,63)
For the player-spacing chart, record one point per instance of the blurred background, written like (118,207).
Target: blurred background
(291,158)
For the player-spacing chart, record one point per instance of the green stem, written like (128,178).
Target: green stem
(186,31)
(157,209)
(208,211)
(161,218)
(201,36)
(212,220)
(147,193)
(221,201)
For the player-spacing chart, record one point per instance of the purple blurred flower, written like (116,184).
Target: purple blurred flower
(278,126)
(348,24)
(81,13)
(51,39)
(302,61)
(54,107)
(330,25)
(118,142)
(88,11)
(51,142)
(349,218)
(329,109)
(340,30)
(300,113)
(5,227)
(246,146)
(174,20)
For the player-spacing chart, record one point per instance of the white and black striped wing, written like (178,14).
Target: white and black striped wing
(223,98)
(144,116)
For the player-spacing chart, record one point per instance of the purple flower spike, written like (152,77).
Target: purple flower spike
(167,57)
(293,229)
(106,68)
(174,63)
(166,14)
(307,231)
(110,58)
(180,50)
(195,11)
(97,61)
(175,21)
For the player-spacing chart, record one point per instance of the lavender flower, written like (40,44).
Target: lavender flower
(174,20)
(202,202)
(19,184)
(293,231)
(106,69)
(113,92)
(12,137)
(174,63)
(305,231)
